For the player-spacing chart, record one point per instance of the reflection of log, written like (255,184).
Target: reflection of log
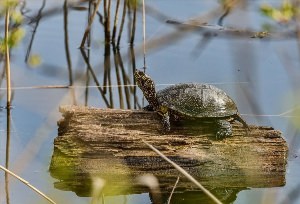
(107,143)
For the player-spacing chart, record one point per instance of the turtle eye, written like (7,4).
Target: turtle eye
(143,82)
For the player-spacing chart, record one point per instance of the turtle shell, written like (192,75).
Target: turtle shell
(197,100)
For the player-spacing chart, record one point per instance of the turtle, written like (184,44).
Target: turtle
(190,100)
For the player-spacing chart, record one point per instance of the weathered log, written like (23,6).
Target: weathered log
(108,143)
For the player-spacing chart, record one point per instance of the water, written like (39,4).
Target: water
(260,75)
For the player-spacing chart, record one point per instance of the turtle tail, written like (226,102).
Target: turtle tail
(241,120)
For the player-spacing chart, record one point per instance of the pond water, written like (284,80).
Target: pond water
(261,75)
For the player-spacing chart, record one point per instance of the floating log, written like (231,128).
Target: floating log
(107,143)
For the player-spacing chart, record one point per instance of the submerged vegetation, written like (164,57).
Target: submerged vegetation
(113,44)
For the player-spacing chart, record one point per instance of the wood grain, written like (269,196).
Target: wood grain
(108,143)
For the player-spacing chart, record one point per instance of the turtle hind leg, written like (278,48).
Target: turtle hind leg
(224,129)
(241,120)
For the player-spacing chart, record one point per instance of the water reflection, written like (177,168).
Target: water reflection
(7,155)
(78,173)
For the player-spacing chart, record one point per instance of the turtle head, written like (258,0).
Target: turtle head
(147,86)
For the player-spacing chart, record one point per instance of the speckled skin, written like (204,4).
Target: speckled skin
(191,100)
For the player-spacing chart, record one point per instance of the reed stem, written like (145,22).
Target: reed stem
(7,57)
(88,28)
(122,24)
(144,33)
(133,28)
(113,38)
(27,183)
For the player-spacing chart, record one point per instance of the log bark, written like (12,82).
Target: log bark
(107,143)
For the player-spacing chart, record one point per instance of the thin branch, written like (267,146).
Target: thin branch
(220,21)
(37,18)
(107,7)
(88,28)
(122,24)
(132,55)
(7,59)
(115,22)
(27,183)
(47,13)
(121,100)
(144,34)
(133,28)
(170,197)
(185,173)
(86,93)
(124,75)
(106,11)
(67,50)
(94,77)
(7,155)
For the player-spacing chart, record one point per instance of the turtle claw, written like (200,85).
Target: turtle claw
(221,134)
(224,129)
(165,120)
(166,124)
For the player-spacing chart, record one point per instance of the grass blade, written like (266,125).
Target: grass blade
(186,174)
(28,184)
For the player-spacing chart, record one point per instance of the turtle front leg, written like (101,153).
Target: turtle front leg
(163,112)
(224,129)
(165,120)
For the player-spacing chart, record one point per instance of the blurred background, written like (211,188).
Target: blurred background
(250,49)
